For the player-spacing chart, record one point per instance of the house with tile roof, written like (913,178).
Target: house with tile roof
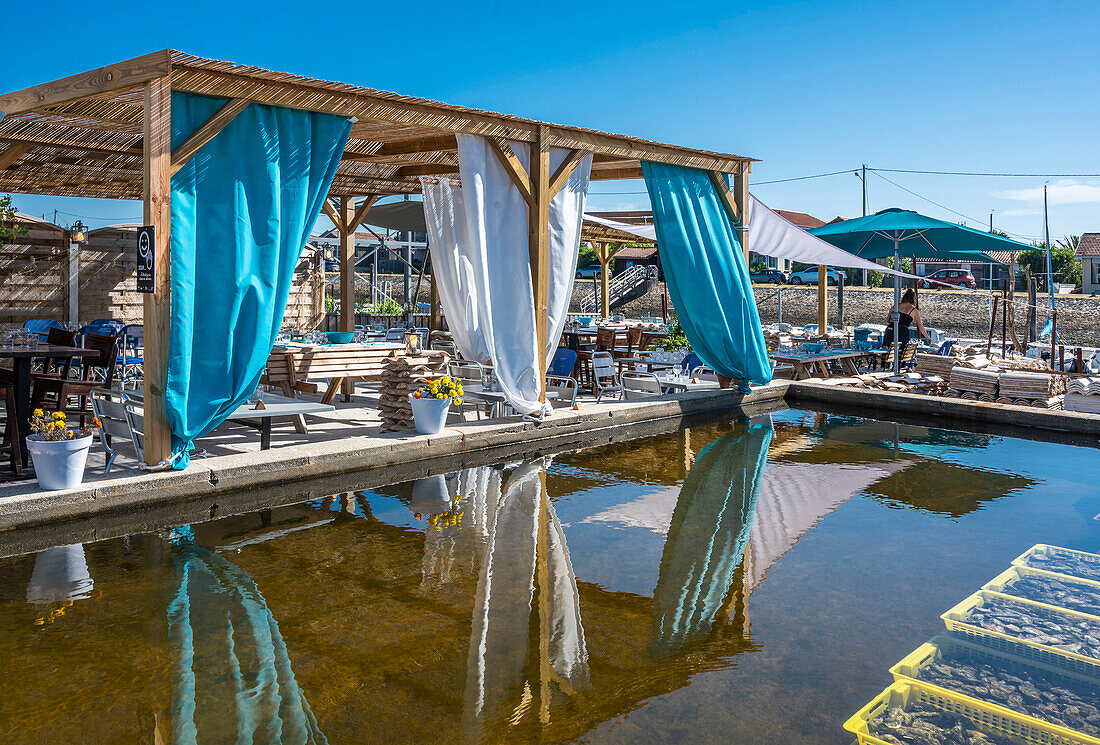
(1088,251)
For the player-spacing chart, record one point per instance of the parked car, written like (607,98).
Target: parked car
(592,271)
(809,276)
(957,277)
(769,276)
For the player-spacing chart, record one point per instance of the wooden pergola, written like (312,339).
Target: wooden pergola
(107,133)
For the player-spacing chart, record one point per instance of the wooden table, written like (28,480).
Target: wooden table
(21,365)
(817,365)
(276,407)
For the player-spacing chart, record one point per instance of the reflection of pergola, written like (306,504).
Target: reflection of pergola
(107,133)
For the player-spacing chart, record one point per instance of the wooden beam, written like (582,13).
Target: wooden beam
(158,304)
(565,170)
(63,144)
(604,255)
(360,212)
(507,157)
(443,143)
(538,246)
(330,212)
(426,169)
(127,74)
(615,174)
(12,154)
(208,131)
(436,307)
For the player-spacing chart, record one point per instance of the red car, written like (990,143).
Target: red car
(957,277)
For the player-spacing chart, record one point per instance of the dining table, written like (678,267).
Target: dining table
(495,398)
(816,364)
(22,358)
(681,383)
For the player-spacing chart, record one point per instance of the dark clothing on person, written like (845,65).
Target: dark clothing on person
(904,319)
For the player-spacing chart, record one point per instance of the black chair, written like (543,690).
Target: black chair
(11,442)
(96,371)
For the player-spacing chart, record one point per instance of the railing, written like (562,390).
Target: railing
(620,286)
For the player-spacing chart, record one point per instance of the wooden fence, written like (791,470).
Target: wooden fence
(38,274)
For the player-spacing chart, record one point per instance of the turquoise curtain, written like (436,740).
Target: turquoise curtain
(242,209)
(231,676)
(706,274)
(707,537)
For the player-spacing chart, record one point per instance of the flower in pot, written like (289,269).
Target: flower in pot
(57,450)
(431,403)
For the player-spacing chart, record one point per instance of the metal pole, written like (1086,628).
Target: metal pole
(779,301)
(896,316)
(864,179)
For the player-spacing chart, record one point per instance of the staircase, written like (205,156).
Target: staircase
(629,285)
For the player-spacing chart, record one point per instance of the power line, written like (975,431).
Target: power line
(752,183)
(982,173)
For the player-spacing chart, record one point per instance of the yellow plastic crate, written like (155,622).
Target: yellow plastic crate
(1043,549)
(1007,577)
(993,719)
(909,668)
(955,620)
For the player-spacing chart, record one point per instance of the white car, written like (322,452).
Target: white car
(809,276)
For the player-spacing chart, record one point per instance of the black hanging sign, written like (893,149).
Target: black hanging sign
(146,266)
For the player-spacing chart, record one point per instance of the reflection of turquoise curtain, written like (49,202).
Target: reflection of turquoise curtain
(242,209)
(231,681)
(707,538)
(706,273)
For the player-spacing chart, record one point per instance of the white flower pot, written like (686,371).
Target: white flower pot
(429,414)
(59,464)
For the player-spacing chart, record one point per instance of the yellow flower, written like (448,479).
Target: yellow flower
(458,401)
(439,395)
(38,412)
(59,415)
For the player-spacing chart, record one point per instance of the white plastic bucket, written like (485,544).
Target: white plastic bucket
(59,464)
(429,414)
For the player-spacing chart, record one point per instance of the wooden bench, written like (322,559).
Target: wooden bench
(291,369)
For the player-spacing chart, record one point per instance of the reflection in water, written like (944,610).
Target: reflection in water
(707,538)
(232,680)
(526,633)
(60,575)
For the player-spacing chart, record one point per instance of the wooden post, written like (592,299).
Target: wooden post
(346,213)
(1004,325)
(603,252)
(72,307)
(840,302)
(538,244)
(992,325)
(822,299)
(741,199)
(157,305)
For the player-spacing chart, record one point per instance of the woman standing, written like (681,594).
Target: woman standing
(909,314)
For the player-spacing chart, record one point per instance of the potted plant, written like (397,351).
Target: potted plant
(432,402)
(57,450)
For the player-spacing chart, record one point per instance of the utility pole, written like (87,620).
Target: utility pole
(991,220)
(863,178)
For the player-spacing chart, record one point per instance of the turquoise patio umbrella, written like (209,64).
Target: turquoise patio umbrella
(881,234)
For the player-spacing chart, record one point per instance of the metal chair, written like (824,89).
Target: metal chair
(604,378)
(132,359)
(562,363)
(467,372)
(702,372)
(110,409)
(42,326)
(565,387)
(443,345)
(637,385)
(396,334)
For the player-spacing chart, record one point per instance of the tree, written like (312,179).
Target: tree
(1068,241)
(8,227)
(587,255)
(1066,266)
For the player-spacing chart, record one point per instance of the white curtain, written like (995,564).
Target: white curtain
(452,266)
(495,262)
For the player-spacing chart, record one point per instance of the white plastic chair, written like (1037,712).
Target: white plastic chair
(638,385)
(566,388)
(604,377)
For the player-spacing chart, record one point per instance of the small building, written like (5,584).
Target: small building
(1088,251)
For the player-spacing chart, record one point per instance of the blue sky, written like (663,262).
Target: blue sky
(806,87)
